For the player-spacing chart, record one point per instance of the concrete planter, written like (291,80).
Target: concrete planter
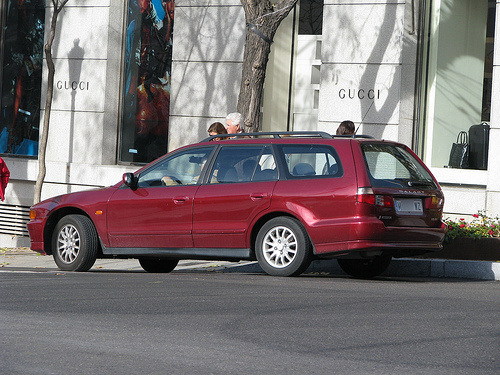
(466,248)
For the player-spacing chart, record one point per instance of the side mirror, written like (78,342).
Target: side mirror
(130,180)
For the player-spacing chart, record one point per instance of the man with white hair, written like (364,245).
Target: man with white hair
(234,123)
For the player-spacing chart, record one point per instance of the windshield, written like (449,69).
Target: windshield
(393,166)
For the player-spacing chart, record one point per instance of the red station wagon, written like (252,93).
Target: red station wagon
(283,199)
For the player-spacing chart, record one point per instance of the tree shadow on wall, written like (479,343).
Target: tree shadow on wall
(383,113)
(204,89)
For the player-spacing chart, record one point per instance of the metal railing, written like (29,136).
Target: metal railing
(296,134)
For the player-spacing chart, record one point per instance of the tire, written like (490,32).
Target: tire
(75,243)
(365,268)
(283,247)
(158,265)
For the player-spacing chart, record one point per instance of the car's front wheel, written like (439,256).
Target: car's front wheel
(75,243)
(283,247)
(158,265)
(365,268)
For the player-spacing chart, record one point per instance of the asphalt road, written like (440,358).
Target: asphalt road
(112,322)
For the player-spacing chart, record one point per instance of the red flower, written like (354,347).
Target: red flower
(462,225)
(462,219)
(491,232)
(475,215)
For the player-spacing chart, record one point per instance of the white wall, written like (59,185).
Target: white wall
(209,38)
(493,194)
(361,65)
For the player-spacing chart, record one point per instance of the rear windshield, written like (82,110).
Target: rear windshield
(393,166)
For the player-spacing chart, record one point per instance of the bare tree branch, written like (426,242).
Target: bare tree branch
(42,169)
(263,19)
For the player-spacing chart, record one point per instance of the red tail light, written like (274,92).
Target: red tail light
(366,195)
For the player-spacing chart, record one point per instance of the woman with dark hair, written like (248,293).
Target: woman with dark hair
(216,128)
(346,128)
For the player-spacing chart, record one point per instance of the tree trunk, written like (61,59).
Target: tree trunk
(42,170)
(262,19)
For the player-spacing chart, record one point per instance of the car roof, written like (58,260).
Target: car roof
(266,137)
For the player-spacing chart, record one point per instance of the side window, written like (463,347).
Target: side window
(311,161)
(180,169)
(242,164)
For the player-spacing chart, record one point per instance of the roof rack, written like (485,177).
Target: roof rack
(353,136)
(273,135)
(319,134)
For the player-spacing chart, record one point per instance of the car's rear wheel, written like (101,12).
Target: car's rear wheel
(158,265)
(75,243)
(365,268)
(283,247)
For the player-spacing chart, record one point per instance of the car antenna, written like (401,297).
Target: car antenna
(363,119)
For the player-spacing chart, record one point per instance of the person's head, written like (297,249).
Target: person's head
(216,128)
(346,127)
(233,122)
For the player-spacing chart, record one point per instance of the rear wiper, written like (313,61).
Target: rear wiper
(420,183)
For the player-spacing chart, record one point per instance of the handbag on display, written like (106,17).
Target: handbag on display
(459,154)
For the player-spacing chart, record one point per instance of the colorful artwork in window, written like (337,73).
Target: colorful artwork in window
(148,65)
(21,76)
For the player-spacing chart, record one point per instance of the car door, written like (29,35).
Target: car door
(319,187)
(235,191)
(158,213)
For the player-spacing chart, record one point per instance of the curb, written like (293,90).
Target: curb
(460,269)
(404,267)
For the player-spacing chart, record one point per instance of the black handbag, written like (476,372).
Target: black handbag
(459,154)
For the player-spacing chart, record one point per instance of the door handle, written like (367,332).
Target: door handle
(258,196)
(180,200)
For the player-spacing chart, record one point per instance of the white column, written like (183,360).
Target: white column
(493,187)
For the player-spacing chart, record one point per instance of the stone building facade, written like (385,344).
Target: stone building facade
(130,86)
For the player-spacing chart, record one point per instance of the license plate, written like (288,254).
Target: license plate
(408,206)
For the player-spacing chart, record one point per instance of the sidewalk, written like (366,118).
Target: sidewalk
(25,260)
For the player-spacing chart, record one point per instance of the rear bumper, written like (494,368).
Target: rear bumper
(395,249)
(375,236)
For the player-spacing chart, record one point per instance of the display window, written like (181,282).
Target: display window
(308,46)
(21,54)
(146,86)
(311,17)
(457,64)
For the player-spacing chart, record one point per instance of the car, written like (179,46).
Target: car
(281,198)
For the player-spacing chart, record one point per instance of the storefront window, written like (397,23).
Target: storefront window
(457,79)
(311,17)
(308,65)
(148,63)
(21,76)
